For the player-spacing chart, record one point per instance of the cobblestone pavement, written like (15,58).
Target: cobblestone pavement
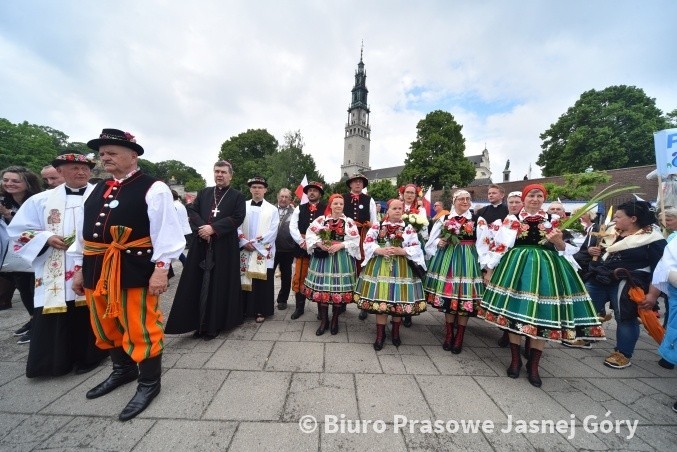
(259,386)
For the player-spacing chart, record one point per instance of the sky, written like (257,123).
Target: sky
(183,77)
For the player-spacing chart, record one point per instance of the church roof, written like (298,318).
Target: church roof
(475,159)
(482,181)
(383,173)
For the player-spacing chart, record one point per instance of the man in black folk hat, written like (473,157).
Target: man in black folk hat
(207,301)
(362,209)
(257,252)
(43,228)
(130,235)
(303,215)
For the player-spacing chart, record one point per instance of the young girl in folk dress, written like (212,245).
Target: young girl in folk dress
(532,290)
(388,285)
(333,242)
(454,282)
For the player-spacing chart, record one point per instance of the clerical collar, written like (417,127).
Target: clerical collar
(257,204)
(75,191)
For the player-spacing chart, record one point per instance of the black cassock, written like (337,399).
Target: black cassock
(223,308)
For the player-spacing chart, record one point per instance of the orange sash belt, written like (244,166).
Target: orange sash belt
(109,281)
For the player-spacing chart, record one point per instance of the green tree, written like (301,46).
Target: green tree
(247,152)
(437,156)
(286,167)
(577,186)
(28,145)
(382,190)
(446,197)
(149,168)
(180,173)
(671,118)
(607,129)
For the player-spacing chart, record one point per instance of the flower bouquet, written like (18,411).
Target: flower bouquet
(455,230)
(418,222)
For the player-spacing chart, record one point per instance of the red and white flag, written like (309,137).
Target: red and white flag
(426,201)
(299,190)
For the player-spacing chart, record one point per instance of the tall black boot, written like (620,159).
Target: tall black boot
(300,306)
(335,313)
(395,333)
(380,336)
(149,387)
(323,310)
(532,367)
(125,371)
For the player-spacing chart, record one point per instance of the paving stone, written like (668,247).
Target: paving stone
(361,359)
(661,438)
(465,363)
(30,395)
(192,360)
(371,441)
(186,393)
(290,357)
(309,329)
(522,402)
(318,394)
(238,354)
(380,397)
(250,396)
(279,331)
(32,431)
(448,397)
(98,434)
(9,421)
(11,370)
(273,437)
(392,364)
(183,435)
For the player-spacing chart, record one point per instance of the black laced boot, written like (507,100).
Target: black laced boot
(449,336)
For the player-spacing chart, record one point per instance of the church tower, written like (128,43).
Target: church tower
(357,132)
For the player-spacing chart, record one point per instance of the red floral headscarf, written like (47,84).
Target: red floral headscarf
(327,210)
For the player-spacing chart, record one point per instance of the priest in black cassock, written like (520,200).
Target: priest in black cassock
(209,308)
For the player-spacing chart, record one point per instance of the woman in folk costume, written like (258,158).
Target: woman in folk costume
(410,195)
(388,285)
(333,242)
(532,289)
(453,283)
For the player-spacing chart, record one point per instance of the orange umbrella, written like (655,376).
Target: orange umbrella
(647,317)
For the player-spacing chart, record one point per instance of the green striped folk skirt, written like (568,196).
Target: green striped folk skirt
(537,293)
(454,282)
(331,279)
(388,286)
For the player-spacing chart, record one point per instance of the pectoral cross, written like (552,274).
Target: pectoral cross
(215,211)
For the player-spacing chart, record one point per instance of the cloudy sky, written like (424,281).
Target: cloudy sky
(185,76)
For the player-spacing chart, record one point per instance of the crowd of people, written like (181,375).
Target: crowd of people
(91,261)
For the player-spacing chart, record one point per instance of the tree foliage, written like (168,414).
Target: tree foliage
(286,167)
(607,129)
(577,186)
(382,190)
(247,153)
(437,156)
(28,145)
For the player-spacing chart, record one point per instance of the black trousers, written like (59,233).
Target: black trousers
(23,281)
(285,261)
